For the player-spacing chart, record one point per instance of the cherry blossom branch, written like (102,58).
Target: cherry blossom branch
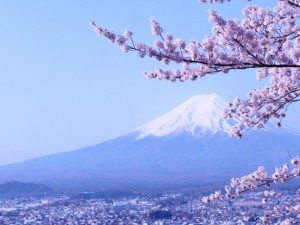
(294,4)
(256,180)
(267,40)
(222,1)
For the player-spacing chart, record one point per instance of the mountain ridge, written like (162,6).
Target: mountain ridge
(19,188)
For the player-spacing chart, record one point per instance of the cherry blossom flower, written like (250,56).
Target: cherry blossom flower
(265,39)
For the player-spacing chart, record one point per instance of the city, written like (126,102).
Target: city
(160,209)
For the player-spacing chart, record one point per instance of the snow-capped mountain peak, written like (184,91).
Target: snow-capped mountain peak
(200,115)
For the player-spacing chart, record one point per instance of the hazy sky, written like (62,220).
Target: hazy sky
(62,87)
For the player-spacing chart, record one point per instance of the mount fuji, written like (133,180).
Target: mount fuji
(199,116)
(187,146)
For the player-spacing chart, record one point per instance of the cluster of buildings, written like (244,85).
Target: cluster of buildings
(163,209)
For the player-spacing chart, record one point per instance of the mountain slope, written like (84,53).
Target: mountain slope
(187,146)
(18,188)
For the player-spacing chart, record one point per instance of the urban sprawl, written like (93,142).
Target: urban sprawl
(162,209)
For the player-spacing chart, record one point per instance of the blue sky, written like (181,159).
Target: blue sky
(62,87)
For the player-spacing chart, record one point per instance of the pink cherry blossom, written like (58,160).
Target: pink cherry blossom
(259,179)
(265,39)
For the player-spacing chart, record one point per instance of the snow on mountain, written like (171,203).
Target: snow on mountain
(200,115)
